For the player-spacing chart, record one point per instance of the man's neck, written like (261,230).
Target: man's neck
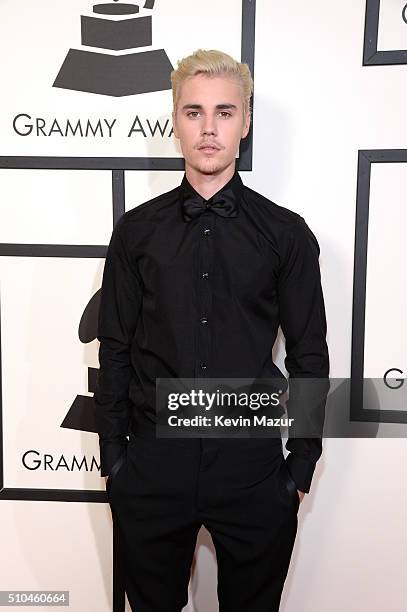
(209,184)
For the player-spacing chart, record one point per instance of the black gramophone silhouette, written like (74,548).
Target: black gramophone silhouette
(114,27)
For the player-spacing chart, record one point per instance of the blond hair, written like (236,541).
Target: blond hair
(212,63)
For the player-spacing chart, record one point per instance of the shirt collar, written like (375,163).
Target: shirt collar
(235,183)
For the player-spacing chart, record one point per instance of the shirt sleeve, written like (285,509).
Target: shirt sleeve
(303,323)
(120,302)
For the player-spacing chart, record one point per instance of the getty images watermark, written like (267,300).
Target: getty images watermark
(275,407)
(219,401)
(243,407)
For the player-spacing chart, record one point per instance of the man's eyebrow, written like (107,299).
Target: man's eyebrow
(218,106)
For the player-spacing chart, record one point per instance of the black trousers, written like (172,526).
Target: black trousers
(162,490)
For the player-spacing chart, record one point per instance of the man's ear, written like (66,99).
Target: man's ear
(246,126)
(174,127)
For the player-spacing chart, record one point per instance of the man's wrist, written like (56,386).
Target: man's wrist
(110,452)
(301,471)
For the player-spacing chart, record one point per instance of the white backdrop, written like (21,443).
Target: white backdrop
(315,106)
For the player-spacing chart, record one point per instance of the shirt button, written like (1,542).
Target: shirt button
(204,320)
(205,274)
(203,365)
(207,231)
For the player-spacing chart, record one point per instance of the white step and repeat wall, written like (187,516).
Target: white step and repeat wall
(85,134)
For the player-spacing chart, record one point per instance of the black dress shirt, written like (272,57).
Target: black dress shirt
(204,296)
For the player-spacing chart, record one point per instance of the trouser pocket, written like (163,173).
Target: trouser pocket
(292,488)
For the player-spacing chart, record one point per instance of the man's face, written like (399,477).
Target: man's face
(210,111)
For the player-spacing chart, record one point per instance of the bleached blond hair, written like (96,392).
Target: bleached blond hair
(212,62)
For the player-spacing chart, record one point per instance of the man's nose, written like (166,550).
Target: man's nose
(208,125)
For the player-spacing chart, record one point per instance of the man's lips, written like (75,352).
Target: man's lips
(208,148)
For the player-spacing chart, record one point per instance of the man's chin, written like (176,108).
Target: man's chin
(210,166)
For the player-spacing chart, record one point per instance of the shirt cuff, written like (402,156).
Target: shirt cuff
(109,454)
(301,471)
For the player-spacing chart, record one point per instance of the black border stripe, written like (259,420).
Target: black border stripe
(52,250)
(66,495)
(357,413)
(118,195)
(371,56)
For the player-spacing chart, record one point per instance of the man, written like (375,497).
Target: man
(196,283)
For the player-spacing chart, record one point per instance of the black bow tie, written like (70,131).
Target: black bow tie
(222,203)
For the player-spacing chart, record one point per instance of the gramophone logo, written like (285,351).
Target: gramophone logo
(116,28)
(81,414)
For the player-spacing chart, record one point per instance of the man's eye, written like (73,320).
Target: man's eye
(194,114)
